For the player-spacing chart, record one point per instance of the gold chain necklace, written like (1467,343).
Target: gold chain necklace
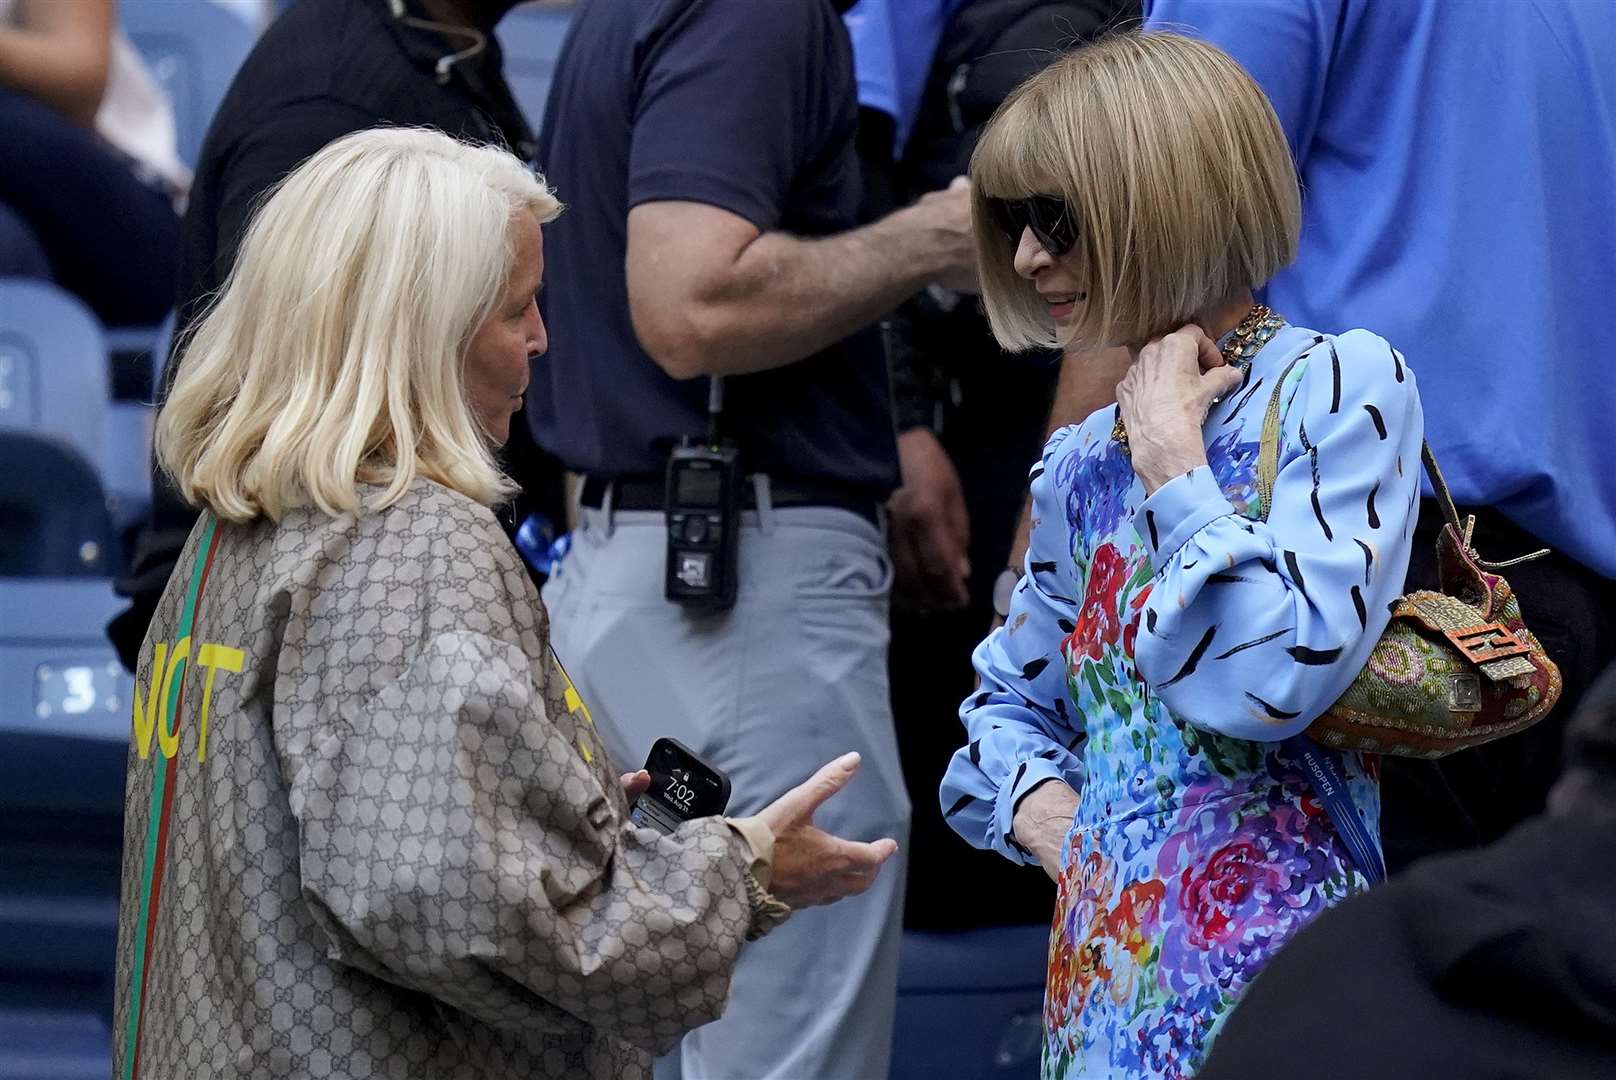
(1245,341)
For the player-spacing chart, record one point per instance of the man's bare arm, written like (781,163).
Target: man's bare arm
(710,294)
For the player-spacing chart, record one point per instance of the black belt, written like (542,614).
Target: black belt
(652,495)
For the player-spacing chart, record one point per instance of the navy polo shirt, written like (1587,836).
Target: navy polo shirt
(747,105)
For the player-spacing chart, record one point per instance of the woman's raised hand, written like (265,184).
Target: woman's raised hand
(1164,399)
(811,866)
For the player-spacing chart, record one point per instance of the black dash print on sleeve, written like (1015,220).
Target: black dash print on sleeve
(1060,710)
(1150,523)
(1358,605)
(1296,571)
(1051,754)
(1374,518)
(1228,579)
(1150,619)
(1078,740)
(1066,625)
(1380,423)
(982,699)
(1252,644)
(1194,660)
(1318,512)
(1043,567)
(1397,360)
(1318,339)
(1335,370)
(1368,558)
(976,753)
(1241,404)
(1037,471)
(1277,714)
(1314,657)
(1020,772)
(959,804)
(1034,668)
(1313,467)
(1192,564)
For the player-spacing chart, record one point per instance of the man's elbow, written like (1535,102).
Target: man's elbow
(686,346)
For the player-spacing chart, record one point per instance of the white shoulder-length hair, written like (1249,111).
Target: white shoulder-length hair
(333,355)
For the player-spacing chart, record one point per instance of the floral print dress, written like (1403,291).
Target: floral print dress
(1158,651)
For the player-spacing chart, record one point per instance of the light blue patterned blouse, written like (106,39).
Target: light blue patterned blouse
(1156,652)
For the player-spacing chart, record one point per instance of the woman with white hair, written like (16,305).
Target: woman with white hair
(1186,610)
(370,828)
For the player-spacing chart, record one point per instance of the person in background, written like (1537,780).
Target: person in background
(1497,961)
(1185,613)
(706,153)
(91,184)
(971,420)
(324,69)
(381,836)
(1459,164)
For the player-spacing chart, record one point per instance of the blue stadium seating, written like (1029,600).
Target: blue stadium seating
(530,37)
(53,366)
(64,699)
(64,706)
(193,48)
(970,1004)
(55,381)
(53,516)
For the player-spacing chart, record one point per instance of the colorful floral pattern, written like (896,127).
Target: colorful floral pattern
(1194,855)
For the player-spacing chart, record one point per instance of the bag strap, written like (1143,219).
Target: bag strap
(1268,472)
(1324,772)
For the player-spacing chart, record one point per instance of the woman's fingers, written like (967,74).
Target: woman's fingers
(1222,381)
(1206,350)
(798,805)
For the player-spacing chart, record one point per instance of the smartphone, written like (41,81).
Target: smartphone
(682,787)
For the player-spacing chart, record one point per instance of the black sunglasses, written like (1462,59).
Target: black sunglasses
(1050,219)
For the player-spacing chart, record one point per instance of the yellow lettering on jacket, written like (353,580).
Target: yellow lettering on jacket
(168,739)
(146,714)
(152,712)
(213,657)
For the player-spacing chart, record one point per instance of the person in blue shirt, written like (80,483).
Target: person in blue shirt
(1459,169)
(1176,623)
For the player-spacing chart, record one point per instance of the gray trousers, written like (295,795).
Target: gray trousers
(793,676)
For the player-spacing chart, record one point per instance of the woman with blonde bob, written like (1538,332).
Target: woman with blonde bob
(370,828)
(1179,622)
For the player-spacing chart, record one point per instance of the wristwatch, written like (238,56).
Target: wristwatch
(1004,586)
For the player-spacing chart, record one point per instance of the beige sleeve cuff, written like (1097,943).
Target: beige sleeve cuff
(760,842)
(758,839)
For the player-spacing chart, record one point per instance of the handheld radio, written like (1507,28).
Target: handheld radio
(703,506)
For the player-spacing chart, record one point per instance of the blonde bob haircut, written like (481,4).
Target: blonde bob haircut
(333,355)
(1177,170)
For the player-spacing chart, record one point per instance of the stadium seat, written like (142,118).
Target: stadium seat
(53,515)
(64,727)
(530,38)
(970,1004)
(53,367)
(193,48)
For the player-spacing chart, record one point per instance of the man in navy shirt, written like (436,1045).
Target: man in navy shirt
(705,149)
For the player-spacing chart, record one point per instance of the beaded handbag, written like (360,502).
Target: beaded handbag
(1455,668)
